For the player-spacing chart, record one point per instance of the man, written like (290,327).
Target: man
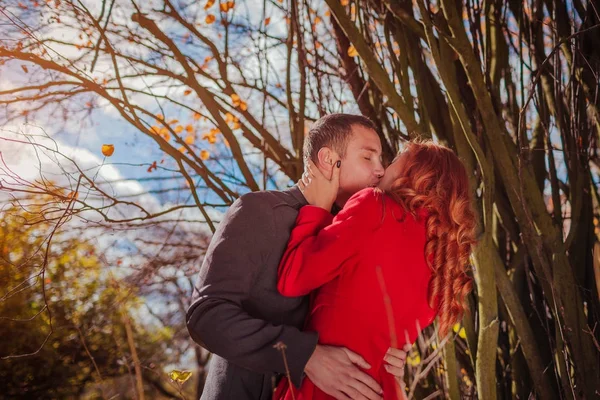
(237,312)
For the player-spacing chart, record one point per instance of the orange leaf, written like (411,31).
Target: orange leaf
(352,51)
(189,128)
(345,2)
(243,106)
(229,117)
(196,116)
(209,4)
(210,19)
(159,117)
(108,149)
(317,20)
(189,140)
(178,129)
(267,21)
(173,121)
(187,92)
(237,125)
(204,154)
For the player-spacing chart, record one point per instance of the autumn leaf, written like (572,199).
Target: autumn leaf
(236,125)
(352,51)
(235,99)
(152,166)
(243,106)
(178,129)
(317,20)
(229,117)
(210,19)
(209,4)
(173,121)
(189,140)
(267,21)
(196,116)
(189,128)
(204,154)
(108,149)
(159,117)
(187,92)
(345,2)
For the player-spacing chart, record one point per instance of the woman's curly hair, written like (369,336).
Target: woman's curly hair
(434,179)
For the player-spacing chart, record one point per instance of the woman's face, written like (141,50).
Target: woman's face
(393,171)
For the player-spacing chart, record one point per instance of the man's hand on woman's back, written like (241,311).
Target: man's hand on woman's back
(335,370)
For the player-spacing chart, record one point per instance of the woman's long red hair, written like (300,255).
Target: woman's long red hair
(434,179)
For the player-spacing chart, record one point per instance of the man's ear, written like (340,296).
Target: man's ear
(325,158)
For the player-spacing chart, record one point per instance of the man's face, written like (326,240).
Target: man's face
(361,166)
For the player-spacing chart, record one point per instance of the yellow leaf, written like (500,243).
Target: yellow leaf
(187,92)
(178,129)
(210,19)
(164,132)
(328,13)
(209,4)
(267,21)
(414,360)
(108,149)
(243,106)
(196,116)
(204,154)
(235,99)
(345,2)
(189,128)
(352,51)
(180,376)
(237,125)
(160,117)
(189,140)
(229,117)
(155,129)
(173,121)
(317,20)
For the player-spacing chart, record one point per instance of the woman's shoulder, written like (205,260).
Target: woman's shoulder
(367,197)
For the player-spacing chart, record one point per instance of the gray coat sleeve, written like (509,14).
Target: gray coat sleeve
(217,320)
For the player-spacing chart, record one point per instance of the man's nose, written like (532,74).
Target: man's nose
(379,171)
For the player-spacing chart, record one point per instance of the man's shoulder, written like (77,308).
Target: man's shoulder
(270,199)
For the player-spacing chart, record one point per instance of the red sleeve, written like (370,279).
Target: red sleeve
(318,248)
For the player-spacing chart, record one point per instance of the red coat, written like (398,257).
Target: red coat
(345,260)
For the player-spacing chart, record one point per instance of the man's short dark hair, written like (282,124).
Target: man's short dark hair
(333,131)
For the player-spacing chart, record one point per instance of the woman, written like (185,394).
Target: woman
(393,259)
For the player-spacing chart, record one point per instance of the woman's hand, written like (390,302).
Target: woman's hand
(317,188)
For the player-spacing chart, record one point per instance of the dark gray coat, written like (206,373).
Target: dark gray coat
(237,312)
